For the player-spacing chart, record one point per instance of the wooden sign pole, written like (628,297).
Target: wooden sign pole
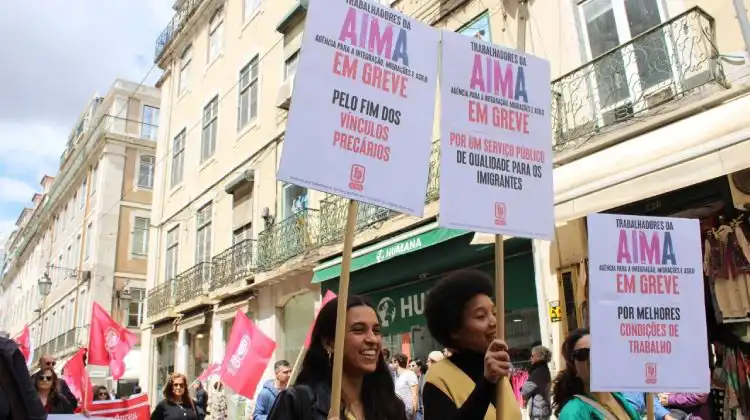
(521,21)
(343,297)
(296,367)
(649,406)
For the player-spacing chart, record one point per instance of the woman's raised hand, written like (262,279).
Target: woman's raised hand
(496,361)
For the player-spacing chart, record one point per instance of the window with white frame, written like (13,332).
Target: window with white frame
(203,234)
(87,246)
(624,75)
(173,249)
(210,128)
(69,321)
(73,205)
(69,257)
(94,174)
(77,250)
(248,91)
(58,270)
(250,8)
(215,34)
(150,123)
(290,66)
(242,233)
(185,59)
(178,159)
(62,218)
(140,236)
(146,172)
(82,302)
(293,200)
(82,197)
(478,28)
(136,308)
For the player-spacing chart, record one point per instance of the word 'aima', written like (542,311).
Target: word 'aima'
(637,248)
(499,78)
(367,34)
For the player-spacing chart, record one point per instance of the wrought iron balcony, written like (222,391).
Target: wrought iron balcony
(160,298)
(288,238)
(333,218)
(236,263)
(193,283)
(433,180)
(175,26)
(636,79)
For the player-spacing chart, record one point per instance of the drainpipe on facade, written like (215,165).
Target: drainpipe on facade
(739,8)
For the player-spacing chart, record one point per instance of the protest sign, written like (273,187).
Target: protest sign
(361,119)
(648,322)
(134,408)
(496,140)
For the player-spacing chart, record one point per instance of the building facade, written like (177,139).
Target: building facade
(227,236)
(84,238)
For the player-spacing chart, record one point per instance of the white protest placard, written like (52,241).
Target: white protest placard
(361,119)
(496,140)
(648,318)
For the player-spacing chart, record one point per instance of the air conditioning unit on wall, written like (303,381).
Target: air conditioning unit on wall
(739,185)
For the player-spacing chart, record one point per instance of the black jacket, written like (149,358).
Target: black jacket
(16,386)
(302,402)
(63,388)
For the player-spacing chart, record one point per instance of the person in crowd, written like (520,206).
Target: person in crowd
(101,393)
(535,391)
(434,357)
(638,401)
(282,371)
(49,394)
(177,403)
(694,404)
(19,399)
(49,362)
(218,402)
(420,370)
(461,316)
(387,357)
(571,396)
(367,390)
(201,396)
(407,385)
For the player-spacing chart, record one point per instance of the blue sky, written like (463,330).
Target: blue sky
(57,54)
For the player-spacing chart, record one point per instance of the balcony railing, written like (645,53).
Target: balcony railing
(288,238)
(636,78)
(433,180)
(236,263)
(175,26)
(65,343)
(160,298)
(193,283)
(333,211)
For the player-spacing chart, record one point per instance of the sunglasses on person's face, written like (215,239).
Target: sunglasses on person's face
(50,364)
(46,378)
(178,385)
(581,355)
(102,394)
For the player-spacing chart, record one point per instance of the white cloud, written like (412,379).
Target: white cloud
(15,191)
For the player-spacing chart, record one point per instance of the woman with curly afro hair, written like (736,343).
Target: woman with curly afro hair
(461,316)
(571,396)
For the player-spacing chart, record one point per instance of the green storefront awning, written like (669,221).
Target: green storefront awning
(408,242)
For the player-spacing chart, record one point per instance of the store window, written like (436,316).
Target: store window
(165,355)
(293,199)
(199,342)
(573,290)
(478,28)
(298,315)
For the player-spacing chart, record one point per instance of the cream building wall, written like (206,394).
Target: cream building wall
(554,32)
(82,228)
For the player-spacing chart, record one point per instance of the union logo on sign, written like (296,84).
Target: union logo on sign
(651,373)
(500,213)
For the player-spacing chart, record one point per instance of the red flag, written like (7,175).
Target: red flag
(136,408)
(77,378)
(248,353)
(212,370)
(109,342)
(329,296)
(24,342)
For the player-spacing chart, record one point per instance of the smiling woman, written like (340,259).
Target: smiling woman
(367,388)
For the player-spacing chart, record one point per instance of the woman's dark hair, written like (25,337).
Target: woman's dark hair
(567,384)
(378,393)
(99,388)
(169,391)
(444,304)
(401,359)
(54,395)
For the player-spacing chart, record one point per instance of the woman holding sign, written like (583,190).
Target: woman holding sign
(367,387)
(571,397)
(461,316)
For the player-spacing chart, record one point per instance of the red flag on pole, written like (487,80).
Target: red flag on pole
(329,296)
(248,353)
(75,375)
(109,342)
(212,370)
(24,343)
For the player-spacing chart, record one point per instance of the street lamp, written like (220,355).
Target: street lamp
(125,298)
(45,284)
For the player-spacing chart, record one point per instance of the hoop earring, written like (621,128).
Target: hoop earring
(330,358)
